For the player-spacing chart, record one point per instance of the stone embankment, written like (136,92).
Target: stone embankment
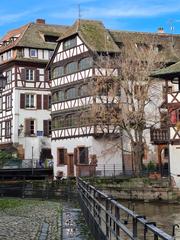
(138,189)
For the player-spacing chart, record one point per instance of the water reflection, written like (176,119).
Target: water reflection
(165,215)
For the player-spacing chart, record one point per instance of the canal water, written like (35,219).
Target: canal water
(165,215)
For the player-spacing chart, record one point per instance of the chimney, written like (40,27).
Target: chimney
(40,21)
(160,30)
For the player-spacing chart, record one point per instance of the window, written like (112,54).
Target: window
(29,101)
(70,43)
(7,129)
(71,120)
(49,38)
(81,155)
(166,90)
(71,67)
(9,76)
(57,72)
(71,93)
(85,63)
(49,101)
(58,122)
(9,55)
(29,127)
(33,53)
(61,156)
(8,101)
(29,74)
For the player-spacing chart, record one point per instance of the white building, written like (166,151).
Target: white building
(25,100)
(77,141)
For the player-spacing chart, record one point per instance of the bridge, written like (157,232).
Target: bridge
(109,220)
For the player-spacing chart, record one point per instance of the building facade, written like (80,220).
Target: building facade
(79,141)
(170,133)
(25,99)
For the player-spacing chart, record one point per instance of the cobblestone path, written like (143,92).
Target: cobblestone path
(30,220)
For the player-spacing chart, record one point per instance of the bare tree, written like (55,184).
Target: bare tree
(124,94)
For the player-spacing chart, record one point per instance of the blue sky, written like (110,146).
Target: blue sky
(135,15)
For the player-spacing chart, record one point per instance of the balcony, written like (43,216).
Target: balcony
(159,136)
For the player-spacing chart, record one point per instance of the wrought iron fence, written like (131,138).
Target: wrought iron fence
(109,220)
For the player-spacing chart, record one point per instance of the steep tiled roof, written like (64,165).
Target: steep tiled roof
(32,35)
(94,35)
(171,70)
(169,44)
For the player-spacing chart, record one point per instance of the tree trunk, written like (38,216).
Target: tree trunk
(137,157)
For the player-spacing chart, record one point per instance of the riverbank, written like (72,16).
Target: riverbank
(142,189)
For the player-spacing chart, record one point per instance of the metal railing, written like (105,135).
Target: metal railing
(159,135)
(26,163)
(109,220)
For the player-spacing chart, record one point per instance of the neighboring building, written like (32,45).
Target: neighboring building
(25,99)
(78,142)
(170,133)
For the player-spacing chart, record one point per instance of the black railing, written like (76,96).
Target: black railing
(109,220)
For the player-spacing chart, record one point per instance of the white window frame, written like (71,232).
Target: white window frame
(30,101)
(29,74)
(33,53)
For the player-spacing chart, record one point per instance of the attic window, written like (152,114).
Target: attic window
(70,43)
(49,38)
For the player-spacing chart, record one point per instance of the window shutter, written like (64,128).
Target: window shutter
(46,127)
(86,160)
(75,156)
(39,102)
(45,102)
(27,127)
(36,75)
(23,74)
(65,156)
(22,100)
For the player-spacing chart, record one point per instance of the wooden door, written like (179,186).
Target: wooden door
(70,165)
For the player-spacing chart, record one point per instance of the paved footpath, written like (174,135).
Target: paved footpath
(34,220)
(41,220)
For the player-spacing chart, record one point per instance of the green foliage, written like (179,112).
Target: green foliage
(7,158)
(151,166)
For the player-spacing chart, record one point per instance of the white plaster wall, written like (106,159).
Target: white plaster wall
(175,163)
(107,151)
(19,116)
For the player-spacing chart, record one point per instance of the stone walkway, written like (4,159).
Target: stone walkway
(33,220)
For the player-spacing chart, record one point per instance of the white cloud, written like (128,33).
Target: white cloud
(122,8)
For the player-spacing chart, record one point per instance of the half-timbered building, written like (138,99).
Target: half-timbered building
(170,132)
(25,98)
(79,142)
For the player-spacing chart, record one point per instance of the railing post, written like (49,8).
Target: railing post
(104,170)
(114,170)
(107,218)
(117,215)
(134,227)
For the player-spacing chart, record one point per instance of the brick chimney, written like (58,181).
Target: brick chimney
(160,30)
(40,21)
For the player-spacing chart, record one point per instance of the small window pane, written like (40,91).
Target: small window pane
(85,63)
(57,72)
(69,43)
(33,52)
(71,93)
(71,67)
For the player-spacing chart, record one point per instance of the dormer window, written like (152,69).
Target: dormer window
(70,43)
(33,53)
(85,63)
(49,38)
